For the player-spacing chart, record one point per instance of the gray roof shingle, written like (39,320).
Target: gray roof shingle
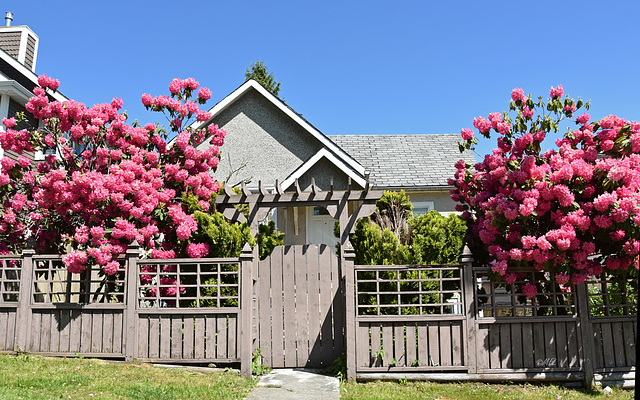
(405,161)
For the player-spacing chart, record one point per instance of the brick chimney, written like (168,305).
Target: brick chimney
(20,42)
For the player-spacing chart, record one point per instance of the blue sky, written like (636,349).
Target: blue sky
(349,67)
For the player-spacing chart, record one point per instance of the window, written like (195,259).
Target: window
(422,207)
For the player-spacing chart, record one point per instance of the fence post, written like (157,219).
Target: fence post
(131,335)
(586,334)
(469,308)
(23,313)
(246,302)
(351,328)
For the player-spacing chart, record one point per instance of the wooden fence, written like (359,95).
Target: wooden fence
(446,322)
(449,322)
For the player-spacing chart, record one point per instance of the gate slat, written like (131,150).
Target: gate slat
(445,343)
(301,305)
(221,336)
(572,345)
(597,344)
(176,336)
(36,334)
(199,338)
(483,346)
(143,337)
(387,342)
(338,308)
(618,344)
(277,309)
(55,332)
(74,331)
(527,346)
(561,345)
(325,307)
(516,346)
(538,344)
(231,321)
(45,343)
(434,343)
(375,344)
(96,332)
(187,351)
(315,322)
(398,341)
(107,329)
(494,346)
(412,354)
(550,341)
(154,337)
(607,345)
(85,337)
(456,344)
(629,342)
(263,287)
(210,338)
(10,332)
(117,332)
(165,337)
(505,346)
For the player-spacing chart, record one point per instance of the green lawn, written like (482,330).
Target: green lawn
(472,391)
(33,377)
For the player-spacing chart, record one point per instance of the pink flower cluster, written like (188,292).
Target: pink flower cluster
(127,184)
(574,211)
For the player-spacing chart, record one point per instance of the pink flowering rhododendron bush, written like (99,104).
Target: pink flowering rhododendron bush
(570,212)
(105,183)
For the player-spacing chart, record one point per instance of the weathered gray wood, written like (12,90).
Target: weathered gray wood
(117,332)
(398,342)
(65,318)
(456,344)
(5,332)
(618,344)
(484,377)
(232,348)
(277,307)
(445,343)
(561,345)
(607,345)
(301,305)
(199,338)
(424,342)
(85,336)
(54,341)
(189,331)
(597,345)
(107,332)
(36,334)
(482,346)
(144,337)
(165,337)
(315,320)
(24,311)
(629,342)
(263,288)
(505,346)
(74,331)
(470,311)
(412,349)
(326,298)
(176,336)
(528,359)
(131,288)
(154,337)
(572,346)
(376,346)
(338,309)
(585,335)
(434,343)
(516,345)
(387,343)
(539,343)
(550,339)
(363,346)
(210,339)
(494,346)
(45,342)
(96,332)
(221,337)
(247,259)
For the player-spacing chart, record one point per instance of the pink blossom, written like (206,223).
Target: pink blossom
(467,134)
(197,250)
(556,92)
(530,290)
(517,94)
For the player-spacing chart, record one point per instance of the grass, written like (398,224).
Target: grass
(472,391)
(34,377)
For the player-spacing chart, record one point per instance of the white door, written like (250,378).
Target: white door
(320,227)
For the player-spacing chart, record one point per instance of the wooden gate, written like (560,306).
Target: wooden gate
(299,307)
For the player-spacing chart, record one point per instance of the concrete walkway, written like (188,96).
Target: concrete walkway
(298,383)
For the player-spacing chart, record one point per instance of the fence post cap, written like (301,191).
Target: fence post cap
(247,251)
(466,256)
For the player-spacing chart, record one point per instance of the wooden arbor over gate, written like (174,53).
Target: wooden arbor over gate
(335,202)
(258,293)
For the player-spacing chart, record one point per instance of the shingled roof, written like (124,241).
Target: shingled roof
(413,162)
